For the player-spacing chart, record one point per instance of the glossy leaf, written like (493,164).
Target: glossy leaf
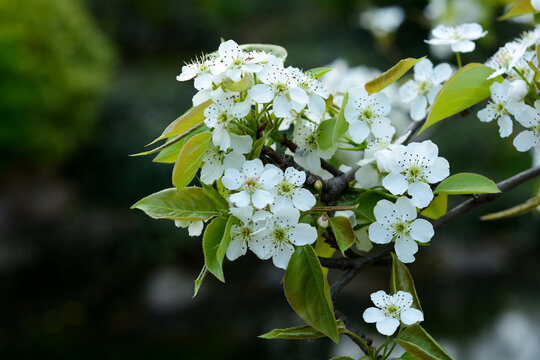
(391,75)
(331,130)
(343,231)
(216,239)
(518,8)
(466,183)
(415,340)
(401,279)
(187,204)
(319,72)
(300,332)
(199,280)
(407,356)
(275,50)
(367,201)
(215,195)
(468,86)
(308,292)
(190,160)
(517,210)
(169,154)
(437,208)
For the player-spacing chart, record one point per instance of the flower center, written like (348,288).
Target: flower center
(392,311)
(367,114)
(423,87)
(401,228)
(285,189)
(281,89)
(414,173)
(251,184)
(245,233)
(279,234)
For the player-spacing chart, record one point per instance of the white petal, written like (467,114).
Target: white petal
(379,298)
(303,199)
(261,245)
(282,107)
(359,131)
(316,105)
(486,114)
(505,126)
(261,93)
(395,183)
(382,127)
(383,212)
(418,108)
(271,177)
(210,172)
(203,81)
(408,91)
(373,314)
(441,72)
(280,202)
(402,299)
(295,177)
(439,170)
(283,255)
(237,247)
(240,199)
(286,217)
(421,194)
(421,230)
(405,209)
(195,228)
(411,316)
(525,140)
(405,249)
(379,233)
(261,198)
(523,113)
(253,168)
(299,95)
(243,213)
(423,70)
(232,179)
(233,160)
(241,109)
(463,46)
(387,326)
(302,234)
(221,138)
(433,92)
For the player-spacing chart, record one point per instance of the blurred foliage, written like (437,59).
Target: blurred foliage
(54,65)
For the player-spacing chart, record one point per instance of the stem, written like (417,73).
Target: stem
(523,77)
(458,58)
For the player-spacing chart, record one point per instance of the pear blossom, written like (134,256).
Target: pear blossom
(247,233)
(366,114)
(412,168)
(535,4)
(313,88)
(458,37)
(195,228)
(397,222)
(427,83)
(390,310)
(497,107)
(308,154)
(254,183)
(504,60)
(281,233)
(530,38)
(529,117)
(200,69)
(382,21)
(234,62)
(215,160)
(290,193)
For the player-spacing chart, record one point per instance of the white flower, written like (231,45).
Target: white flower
(397,222)
(289,192)
(412,168)
(382,21)
(529,117)
(313,88)
(246,234)
(195,228)
(216,160)
(281,233)
(497,107)
(200,70)
(458,37)
(254,183)
(308,154)
(367,176)
(535,4)
(367,114)
(504,60)
(424,88)
(234,62)
(390,310)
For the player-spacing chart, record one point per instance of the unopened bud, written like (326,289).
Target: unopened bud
(323,221)
(518,90)
(318,185)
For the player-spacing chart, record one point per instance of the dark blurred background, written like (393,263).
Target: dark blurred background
(85,83)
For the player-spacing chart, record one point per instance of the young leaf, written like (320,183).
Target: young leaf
(391,75)
(190,160)
(331,130)
(401,279)
(308,292)
(318,72)
(215,195)
(300,332)
(275,50)
(466,183)
(407,356)
(199,280)
(343,231)
(518,8)
(517,210)
(257,147)
(187,204)
(216,239)
(468,86)
(437,208)
(367,201)
(415,340)
(170,153)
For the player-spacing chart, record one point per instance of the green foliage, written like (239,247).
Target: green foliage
(343,231)
(199,280)
(55,65)
(419,343)
(468,86)
(401,279)
(216,239)
(308,292)
(466,183)
(437,208)
(407,356)
(187,204)
(518,8)
(517,210)
(190,160)
(367,201)
(257,147)
(319,72)
(391,75)
(301,332)
(331,130)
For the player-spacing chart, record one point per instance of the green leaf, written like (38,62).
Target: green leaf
(216,239)
(518,8)
(214,194)
(419,343)
(367,201)
(343,231)
(468,86)
(407,356)
(391,75)
(170,153)
(192,117)
(318,72)
(199,280)
(187,204)
(331,130)
(257,147)
(300,332)
(517,210)
(401,279)
(342,358)
(466,183)
(437,208)
(275,50)
(190,160)
(308,292)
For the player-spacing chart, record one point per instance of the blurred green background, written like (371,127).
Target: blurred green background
(85,83)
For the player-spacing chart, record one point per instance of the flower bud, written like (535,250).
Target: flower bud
(318,185)
(323,221)
(518,90)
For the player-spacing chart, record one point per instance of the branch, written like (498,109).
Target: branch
(365,346)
